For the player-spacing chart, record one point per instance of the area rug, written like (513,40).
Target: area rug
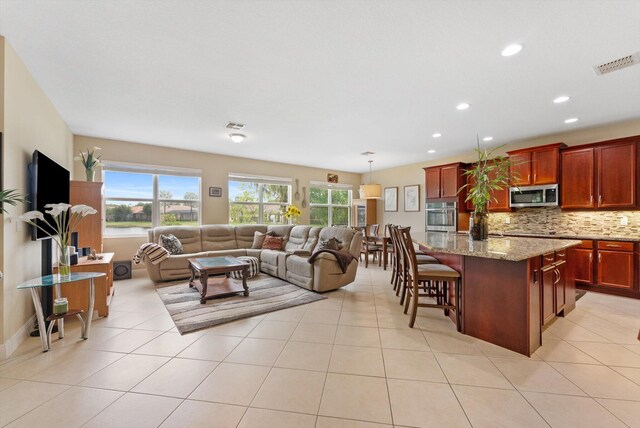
(266,294)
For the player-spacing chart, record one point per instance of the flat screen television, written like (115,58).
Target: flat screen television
(49,184)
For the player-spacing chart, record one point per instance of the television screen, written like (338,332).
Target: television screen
(49,185)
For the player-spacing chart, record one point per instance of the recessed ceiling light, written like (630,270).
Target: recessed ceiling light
(431,151)
(572,120)
(462,106)
(237,138)
(511,49)
(561,99)
(487,139)
(437,135)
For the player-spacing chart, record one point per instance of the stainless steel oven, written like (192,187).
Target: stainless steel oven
(442,216)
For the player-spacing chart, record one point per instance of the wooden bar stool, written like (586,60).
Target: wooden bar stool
(429,280)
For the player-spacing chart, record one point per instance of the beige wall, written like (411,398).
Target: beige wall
(30,122)
(413,174)
(215,172)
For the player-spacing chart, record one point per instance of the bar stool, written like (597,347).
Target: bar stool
(432,279)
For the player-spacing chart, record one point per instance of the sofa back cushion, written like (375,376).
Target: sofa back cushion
(245,232)
(297,238)
(312,240)
(280,230)
(342,234)
(189,237)
(218,237)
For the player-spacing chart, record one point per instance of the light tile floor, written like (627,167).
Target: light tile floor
(347,361)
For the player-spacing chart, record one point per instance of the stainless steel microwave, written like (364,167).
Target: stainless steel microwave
(534,196)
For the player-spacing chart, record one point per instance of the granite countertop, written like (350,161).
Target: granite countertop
(502,248)
(570,236)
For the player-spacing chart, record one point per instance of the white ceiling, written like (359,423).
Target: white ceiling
(319,82)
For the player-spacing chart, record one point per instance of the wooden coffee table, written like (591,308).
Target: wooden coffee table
(217,286)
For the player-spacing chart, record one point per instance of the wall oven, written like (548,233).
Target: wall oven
(534,196)
(442,217)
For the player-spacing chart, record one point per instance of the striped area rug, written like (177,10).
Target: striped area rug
(266,294)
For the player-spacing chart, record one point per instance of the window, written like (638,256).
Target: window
(138,197)
(330,206)
(258,200)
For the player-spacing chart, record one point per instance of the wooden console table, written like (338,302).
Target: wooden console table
(77,293)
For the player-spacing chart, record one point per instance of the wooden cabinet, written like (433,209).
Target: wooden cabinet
(535,166)
(559,287)
(600,176)
(444,181)
(365,212)
(499,199)
(554,289)
(548,292)
(581,262)
(90,229)
(615,264)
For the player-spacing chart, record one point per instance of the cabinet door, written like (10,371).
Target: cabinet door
(545,166)
(449,176)
(577,178)
(617,176)
(520,169)
(615,269)
(499,198)
(561,273)
(432,184)
(581,261)
(548,293)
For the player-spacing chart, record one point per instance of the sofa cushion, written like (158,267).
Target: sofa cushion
(297,237)
(273,243)
(342,234)
(312,240)
(280,230)
(180,261)
(245,234)
(300,266)
(189,236)
(218,237)
(171,244)
(232,253)
(258,239)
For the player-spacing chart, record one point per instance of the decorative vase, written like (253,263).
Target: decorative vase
(479,226)
(64,261)
(91,174)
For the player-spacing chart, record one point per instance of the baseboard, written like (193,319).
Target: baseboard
(7,348)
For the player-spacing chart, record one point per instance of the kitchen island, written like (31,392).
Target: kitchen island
(511,286)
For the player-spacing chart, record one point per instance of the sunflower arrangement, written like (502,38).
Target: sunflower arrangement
(292,212)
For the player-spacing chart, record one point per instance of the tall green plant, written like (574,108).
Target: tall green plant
(11,197)
(489,173)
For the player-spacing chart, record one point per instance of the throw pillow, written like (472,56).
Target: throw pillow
(171,243)
(273,243)
(330,244)
(258,239)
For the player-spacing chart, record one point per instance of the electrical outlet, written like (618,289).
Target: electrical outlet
(624,221)
(507,220)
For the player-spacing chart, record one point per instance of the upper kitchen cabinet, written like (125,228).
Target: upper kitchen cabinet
(536,165)
(602,175)
(499,198)
(444,181)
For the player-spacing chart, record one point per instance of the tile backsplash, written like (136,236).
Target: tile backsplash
(552,219)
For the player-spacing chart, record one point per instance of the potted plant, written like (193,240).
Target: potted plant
(11,197)
(489,173)
(90,160)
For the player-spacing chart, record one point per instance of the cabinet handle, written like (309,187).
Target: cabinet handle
(613,246)
(591,258)
(557,272)
(549,259)
(599,258)
(529,177)
(600,200)
(534,177)
(561,254)
(591,199)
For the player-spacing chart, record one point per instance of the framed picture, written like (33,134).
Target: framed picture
(215,192)
(332,178)
(412,198)
(391,199)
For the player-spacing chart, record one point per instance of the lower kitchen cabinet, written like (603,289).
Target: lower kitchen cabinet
(615,269)
(548,292)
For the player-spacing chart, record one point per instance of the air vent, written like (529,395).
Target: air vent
(367,153)
(234,125)
(617,64)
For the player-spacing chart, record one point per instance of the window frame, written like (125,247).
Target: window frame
(155,172)
(330,205)
(261,181)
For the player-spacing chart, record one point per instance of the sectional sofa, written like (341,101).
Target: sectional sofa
(290,264)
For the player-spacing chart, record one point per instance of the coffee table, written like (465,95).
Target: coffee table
(217,286)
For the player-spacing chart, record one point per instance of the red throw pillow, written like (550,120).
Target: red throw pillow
(273,243)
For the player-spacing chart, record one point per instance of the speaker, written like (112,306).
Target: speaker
(122,269)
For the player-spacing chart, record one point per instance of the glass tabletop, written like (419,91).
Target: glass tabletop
(213,262)
(51,280)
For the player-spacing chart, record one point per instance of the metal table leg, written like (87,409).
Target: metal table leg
(40,317)
(87,322)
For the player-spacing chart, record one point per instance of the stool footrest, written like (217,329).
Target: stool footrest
(69,313)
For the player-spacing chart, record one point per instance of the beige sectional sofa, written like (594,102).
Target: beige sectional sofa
(290,264)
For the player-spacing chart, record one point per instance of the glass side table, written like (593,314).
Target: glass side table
(55,281)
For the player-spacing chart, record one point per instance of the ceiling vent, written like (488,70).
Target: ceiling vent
(617,64)
(367,153)
(234,125)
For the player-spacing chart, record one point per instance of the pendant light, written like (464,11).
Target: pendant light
(370,191)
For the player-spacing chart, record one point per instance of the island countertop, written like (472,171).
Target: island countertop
(501,248)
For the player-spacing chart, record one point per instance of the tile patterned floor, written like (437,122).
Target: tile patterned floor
(348,361)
